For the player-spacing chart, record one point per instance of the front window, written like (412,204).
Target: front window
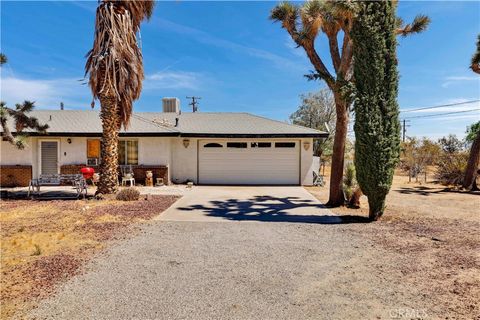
(93,152)
(127,152)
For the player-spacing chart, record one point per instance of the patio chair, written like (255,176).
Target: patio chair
(127,175)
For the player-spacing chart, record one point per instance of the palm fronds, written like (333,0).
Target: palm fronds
(139,10)
(115,63)
(475,66)
(419,24)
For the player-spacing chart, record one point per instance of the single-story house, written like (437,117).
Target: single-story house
(202,147)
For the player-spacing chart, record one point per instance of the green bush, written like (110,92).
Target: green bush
(349,181)
(128,194)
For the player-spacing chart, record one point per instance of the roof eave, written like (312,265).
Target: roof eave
(99,134)
(319,135)
(255,135)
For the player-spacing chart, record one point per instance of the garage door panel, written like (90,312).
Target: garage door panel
(249,165)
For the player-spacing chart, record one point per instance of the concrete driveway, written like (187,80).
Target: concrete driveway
(267,204)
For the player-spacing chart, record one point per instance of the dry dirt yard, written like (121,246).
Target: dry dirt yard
(43,243)
(436,231)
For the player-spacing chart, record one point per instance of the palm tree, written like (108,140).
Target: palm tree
(115,70)
(304,23)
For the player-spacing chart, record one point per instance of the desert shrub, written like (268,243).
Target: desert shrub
(37,251)
(451,168)
(349,181)
(128,194)
(416,155)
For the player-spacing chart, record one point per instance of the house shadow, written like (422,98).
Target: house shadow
(272,209)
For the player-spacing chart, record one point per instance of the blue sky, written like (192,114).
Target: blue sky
(231,55)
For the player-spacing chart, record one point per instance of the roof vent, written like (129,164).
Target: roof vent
(171,105)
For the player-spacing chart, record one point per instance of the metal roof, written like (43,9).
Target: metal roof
(87,122)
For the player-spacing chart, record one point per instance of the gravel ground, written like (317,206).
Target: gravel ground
(240,270)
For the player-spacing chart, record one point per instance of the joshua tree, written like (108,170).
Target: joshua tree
(20,117)
(304,23)
(3,59)
(474,158)
(377,126)
(475,66)
(115,69)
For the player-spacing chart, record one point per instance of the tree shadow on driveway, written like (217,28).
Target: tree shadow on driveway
(271,209)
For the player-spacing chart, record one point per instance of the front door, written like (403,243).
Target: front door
(49,157)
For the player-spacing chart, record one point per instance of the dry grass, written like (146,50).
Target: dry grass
(45,242)
(436,232)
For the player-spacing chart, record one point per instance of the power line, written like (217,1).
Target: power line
(442,114)
(439,106)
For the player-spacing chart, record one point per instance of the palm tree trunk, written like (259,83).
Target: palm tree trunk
(473,162)
(336,197)
(108,183)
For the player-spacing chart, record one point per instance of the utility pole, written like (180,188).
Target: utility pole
(194,103)
(404,129)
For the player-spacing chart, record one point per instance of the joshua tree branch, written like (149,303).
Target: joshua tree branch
(347,57)
(334,52)
(317,62)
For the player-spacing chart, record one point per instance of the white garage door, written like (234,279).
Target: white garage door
(249,162)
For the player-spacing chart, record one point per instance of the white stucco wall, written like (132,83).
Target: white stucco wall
(153,150)
(184,160)
(74,152)
(306,163)
(9,155)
